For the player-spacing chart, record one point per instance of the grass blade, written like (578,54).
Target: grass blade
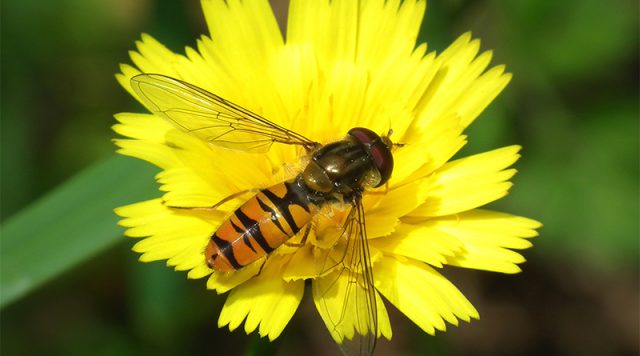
(69,225)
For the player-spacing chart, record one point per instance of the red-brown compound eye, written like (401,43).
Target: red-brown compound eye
(379,151)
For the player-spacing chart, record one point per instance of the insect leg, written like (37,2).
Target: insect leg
(235,195)
(307,229)
(216,205)
(380,192)
(264,262)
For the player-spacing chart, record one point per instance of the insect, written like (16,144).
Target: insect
(338,172)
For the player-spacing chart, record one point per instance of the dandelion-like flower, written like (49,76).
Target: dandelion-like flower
(341,65)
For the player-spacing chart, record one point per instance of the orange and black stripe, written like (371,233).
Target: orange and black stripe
(259,226)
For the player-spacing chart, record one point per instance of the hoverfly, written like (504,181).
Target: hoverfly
(338,172)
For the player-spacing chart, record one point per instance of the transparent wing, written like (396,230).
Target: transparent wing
(211,118)
(346,297)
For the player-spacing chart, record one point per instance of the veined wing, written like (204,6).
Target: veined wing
(210,117)
(346,297)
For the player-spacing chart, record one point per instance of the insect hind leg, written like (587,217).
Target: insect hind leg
(307,230)
(216,205)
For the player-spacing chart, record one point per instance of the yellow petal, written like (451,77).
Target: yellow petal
(255,31)
(153,57)
(487,238)
(157,154)
(186,189)
(459,88)
(142,127)
(241,61)
(147,133)
(223,282)
(303,264)
(168,234)
(267,302)
(382,218)
(388,29)
(470,182)
(347,85)
(199,272)
(424,151)
(481,93)
(422,242)
(345,307)
(124,78)
(361,81)
(196,179)
(422,294)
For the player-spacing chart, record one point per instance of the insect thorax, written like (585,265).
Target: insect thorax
(341,168)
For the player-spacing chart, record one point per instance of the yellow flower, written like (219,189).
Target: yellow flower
(342,64)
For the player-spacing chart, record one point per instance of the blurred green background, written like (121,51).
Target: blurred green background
(70,285)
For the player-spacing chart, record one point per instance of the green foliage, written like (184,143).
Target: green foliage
(69,225)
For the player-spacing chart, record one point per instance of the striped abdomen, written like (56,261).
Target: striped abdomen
(259,226)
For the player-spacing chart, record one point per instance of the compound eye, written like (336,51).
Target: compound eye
(379,150)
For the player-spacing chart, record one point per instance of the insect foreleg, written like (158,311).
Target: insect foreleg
(380,192)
